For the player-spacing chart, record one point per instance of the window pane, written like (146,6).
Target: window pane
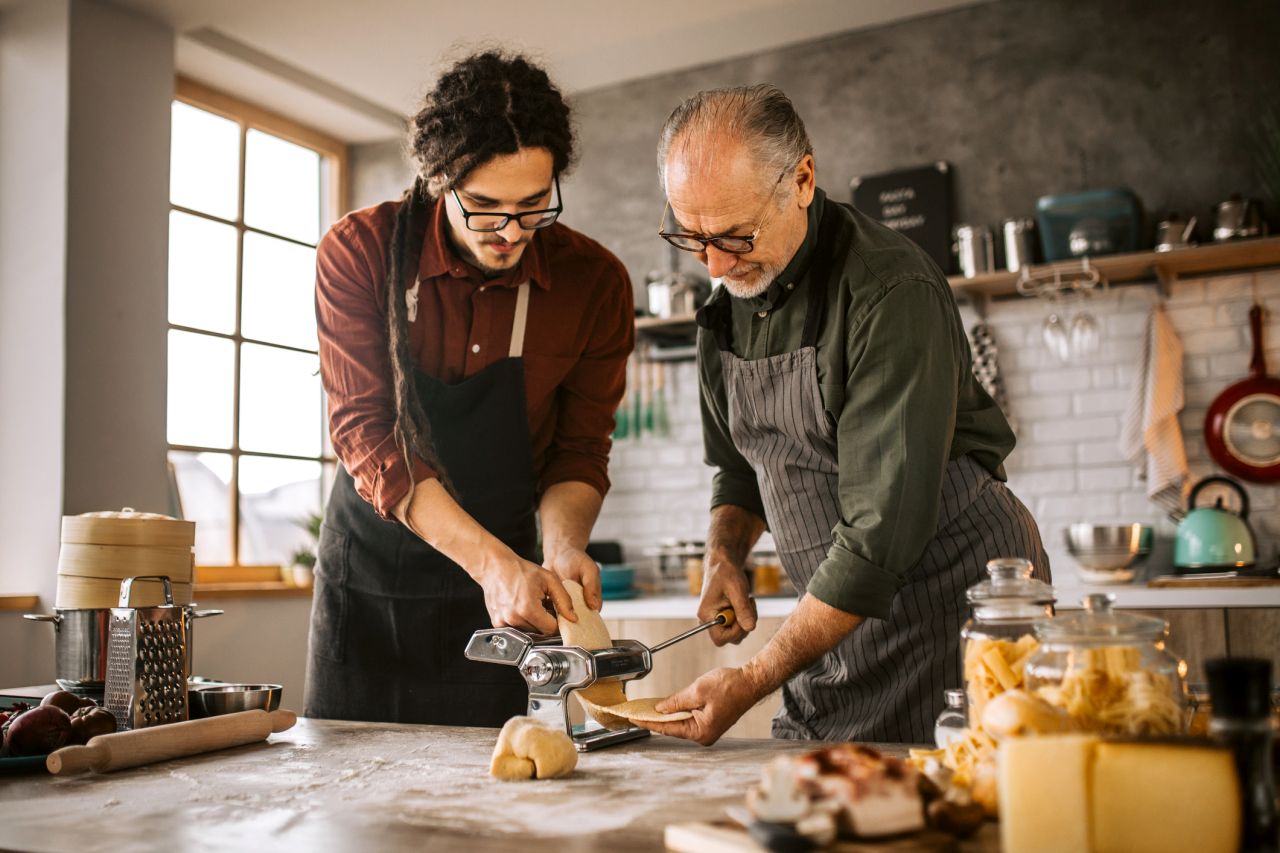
(276,497)
(279,292)
(204,486)
(201,388)
(204,162)
(202,273)
(281,187)
(280,401)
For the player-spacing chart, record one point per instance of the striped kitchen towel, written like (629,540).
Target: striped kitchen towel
(1150,435)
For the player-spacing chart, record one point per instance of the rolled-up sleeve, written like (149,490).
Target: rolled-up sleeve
(894,437)
(588,396)
(734,481)
(355,366)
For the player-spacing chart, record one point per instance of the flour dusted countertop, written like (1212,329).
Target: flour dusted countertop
(337,786)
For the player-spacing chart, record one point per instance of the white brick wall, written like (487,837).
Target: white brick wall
(1066,467)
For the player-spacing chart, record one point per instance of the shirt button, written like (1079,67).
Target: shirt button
(791,286)
(763,314)
(475,348)
(483,289)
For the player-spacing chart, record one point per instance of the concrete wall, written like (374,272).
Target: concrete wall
(1023,97)
(84,142)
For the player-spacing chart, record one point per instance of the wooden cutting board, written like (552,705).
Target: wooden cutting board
(1192,582)
(724,836)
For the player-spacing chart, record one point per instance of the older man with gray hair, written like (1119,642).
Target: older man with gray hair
(840,411)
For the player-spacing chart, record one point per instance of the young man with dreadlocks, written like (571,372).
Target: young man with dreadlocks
(473,351)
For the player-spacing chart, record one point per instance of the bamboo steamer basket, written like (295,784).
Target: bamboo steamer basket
(128,527)
(76,593)
(125,561)
(99,549)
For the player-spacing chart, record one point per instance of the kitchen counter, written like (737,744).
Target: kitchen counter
(1128,596)
(327,785)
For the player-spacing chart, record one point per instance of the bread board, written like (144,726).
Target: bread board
(1193,582)
(724,836)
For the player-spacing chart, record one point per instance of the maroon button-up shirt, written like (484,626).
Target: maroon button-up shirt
(581,329)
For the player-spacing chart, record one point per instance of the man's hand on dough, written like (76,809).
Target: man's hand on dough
(514,590)
(717,700)
(573,564)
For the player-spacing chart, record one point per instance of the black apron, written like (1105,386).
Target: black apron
(391,615)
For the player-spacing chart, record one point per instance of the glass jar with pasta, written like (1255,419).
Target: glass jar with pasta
(999,639)
(1110,671)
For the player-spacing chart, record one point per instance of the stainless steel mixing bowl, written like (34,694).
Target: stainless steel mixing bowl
(211,700)
(1106,552)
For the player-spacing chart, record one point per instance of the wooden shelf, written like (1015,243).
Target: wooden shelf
(19,603)
(1165,267)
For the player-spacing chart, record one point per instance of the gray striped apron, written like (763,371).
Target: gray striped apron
(884,682)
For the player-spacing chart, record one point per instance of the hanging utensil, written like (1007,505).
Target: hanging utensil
(622,417)
(661,420)
(637,396)
(1242,426)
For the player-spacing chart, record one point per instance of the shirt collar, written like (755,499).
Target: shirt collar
(794,272)
(438,257)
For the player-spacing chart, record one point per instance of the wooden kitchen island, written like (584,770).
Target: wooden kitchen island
(339,786)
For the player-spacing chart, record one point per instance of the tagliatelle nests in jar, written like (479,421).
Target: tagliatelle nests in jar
(1108,692)
(1109,670)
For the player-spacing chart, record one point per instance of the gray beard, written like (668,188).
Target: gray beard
(758,284)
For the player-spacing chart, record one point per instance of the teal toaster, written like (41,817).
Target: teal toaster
(1091,223)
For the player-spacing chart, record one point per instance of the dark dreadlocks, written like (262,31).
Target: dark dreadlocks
(487,105)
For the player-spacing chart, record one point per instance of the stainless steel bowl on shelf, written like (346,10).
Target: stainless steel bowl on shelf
(213,699)
(1106,553)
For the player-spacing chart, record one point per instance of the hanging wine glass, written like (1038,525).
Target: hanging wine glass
(1054,331)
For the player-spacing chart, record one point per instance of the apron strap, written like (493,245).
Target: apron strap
(520,321)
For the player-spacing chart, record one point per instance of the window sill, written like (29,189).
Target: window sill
(263,589)
(19,603)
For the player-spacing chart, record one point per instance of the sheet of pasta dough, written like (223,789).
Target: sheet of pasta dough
(606,701)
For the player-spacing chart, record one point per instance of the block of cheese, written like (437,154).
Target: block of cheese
(1044,794)
(1160,797)
(1081,794)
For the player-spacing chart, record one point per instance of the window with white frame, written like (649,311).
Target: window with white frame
(250,195)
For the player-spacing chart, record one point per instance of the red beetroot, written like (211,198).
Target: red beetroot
(38,731)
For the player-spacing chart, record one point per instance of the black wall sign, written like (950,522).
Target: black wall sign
(915,202)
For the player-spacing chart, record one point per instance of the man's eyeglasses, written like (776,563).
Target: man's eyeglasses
(732,245)
(529,220)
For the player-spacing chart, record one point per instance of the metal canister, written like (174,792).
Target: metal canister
(975,249)
(1019,243)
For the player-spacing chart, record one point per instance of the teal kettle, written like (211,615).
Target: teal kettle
(1211,538)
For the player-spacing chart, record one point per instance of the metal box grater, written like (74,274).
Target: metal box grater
(146,661)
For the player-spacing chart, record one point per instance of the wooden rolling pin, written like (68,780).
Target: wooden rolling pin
(105,753)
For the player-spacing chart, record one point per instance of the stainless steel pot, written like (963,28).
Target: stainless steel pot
(1238,217)
(974,248)
(80,644)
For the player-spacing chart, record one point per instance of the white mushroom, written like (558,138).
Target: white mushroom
(778,798)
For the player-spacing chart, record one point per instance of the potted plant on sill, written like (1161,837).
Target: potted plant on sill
(302,564)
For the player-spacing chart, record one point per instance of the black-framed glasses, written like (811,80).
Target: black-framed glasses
(731,244)
(529,220)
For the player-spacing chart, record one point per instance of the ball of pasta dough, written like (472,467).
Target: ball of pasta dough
(528,749)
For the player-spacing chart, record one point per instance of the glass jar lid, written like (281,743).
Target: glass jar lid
(1099,624)
(1010,581)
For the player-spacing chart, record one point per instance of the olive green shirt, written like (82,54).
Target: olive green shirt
(894,368)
